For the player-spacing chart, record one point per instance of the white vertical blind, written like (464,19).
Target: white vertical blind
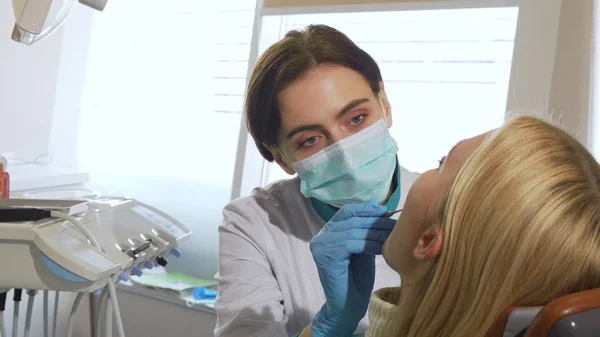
(161,110)
(445,71)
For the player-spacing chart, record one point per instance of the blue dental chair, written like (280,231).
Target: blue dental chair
(574,315)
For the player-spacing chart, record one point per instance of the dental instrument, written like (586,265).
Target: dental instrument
(391,213)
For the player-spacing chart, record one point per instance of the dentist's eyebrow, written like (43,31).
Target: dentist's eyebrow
(351,105)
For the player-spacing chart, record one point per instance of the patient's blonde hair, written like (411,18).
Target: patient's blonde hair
(521,226)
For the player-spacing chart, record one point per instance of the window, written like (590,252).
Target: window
(164,91)
(445,71)
(161,110)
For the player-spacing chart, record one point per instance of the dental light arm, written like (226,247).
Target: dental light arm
(37,19)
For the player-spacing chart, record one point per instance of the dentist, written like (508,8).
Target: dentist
(316,105)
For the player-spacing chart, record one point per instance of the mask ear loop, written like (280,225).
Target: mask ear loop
(287,161)
(285,158)
(384,112)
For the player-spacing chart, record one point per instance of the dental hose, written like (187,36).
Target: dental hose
(2,307)
(31,294)
(108,318)
(111,286)
(55,317)
(71,322)
(45,313)
(102,299)
(17,293)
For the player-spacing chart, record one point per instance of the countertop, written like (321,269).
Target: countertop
(38,176)
(164,297)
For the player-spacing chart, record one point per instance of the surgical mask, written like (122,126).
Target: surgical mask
(354,170)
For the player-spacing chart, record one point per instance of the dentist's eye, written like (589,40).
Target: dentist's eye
(309,141)
(358,119)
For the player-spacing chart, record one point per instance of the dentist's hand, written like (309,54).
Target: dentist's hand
(344,252)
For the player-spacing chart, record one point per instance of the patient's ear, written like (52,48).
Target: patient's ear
(430,244)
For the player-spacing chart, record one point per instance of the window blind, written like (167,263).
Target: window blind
(233,30)
(145,76)
(170,72)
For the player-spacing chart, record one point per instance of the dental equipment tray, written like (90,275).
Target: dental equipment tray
(67,206)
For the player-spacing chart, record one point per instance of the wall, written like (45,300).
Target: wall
(31,88)
(552,64)
(28,78)
(69,88)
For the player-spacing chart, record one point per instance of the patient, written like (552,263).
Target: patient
(511,217)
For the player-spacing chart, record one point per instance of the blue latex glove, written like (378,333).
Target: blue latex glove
(344,252)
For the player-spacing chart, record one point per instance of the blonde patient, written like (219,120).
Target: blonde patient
(510,217)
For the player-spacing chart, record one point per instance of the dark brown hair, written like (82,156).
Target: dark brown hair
(288,60)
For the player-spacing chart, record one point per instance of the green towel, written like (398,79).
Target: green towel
(172,281)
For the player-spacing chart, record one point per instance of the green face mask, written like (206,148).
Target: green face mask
(354,170)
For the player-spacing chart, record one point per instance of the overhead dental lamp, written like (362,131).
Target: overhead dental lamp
(36,19)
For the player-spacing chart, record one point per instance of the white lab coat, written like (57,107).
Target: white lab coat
(268,281)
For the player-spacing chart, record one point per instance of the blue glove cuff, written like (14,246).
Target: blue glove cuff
(324,326)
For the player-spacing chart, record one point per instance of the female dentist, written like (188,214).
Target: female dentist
(316,105)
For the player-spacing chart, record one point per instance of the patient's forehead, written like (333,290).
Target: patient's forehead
(456,159)
(467,146)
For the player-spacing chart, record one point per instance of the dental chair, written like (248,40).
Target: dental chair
(574,315)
